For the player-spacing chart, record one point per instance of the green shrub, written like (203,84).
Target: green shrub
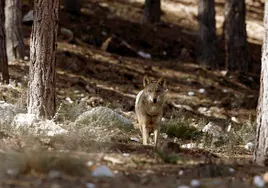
(181,129)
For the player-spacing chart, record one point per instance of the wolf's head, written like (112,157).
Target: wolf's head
(154,92)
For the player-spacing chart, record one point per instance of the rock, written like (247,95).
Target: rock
(183,186)
(191,93)
(126,154)
(213,112)
(89,163)
(201,90)
(258,181)
(202,110)
(231,170)
(164,135)
(135,139)
(181,172)
(112,160)
(236,120)
(213,129)
(225,91)
(218,112)
(103,117)
(195,183)
(53,174)
(26,58)
(104,5)
(101,124)
(224,72)
(249,146)
(104,33)
(90,185)
(28,17)
(229,128)
(30,124)
(102,171)
(69,100)
(144,55)
(182,106)
(7,113)
(94,101)
(192,145)
(149,171)
(12,172)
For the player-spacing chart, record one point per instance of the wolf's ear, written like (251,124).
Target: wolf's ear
(162,82)
(146,81)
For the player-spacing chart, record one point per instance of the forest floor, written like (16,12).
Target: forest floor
(101,65)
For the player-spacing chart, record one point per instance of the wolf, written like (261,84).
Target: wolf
(149,106)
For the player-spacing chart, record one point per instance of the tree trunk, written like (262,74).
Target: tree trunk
(152,11)
(207,40)
(261,149)
(3,54)
(235,36)
(13,25)
(72,6)
(41,86)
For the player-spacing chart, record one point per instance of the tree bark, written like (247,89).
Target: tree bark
(13,25)
(73,6)
(261,149)
(207,39)
(152,11)
(3,54)
(41,86)
(235,36)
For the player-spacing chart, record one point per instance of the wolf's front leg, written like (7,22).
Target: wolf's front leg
(156,136)
(145,135)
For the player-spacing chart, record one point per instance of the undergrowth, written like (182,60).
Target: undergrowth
(42,162)
(181,128)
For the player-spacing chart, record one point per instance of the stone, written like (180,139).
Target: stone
(102,171)
(195,183)
(103,117)
(249,146)
(258,181)
(213,129)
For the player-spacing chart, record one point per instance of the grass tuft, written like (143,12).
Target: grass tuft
(181,128)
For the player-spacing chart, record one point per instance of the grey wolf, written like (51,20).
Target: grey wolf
(149,106)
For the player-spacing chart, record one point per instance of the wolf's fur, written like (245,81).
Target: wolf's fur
(149,108)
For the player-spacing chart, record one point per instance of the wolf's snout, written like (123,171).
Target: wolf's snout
(154,100)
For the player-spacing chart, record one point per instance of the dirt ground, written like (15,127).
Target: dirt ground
(101,65)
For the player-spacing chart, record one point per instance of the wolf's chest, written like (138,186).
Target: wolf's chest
(150,126)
